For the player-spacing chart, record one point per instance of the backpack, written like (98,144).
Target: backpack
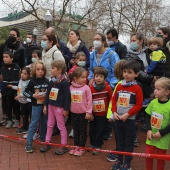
(65,58)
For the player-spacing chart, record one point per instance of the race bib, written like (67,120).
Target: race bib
(42,99)
(156,120)
(98,106)
(19,91)
(123,99)
(53,94)
(76,96)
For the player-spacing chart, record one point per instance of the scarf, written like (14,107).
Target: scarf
(131,83)
(99,87)
(73,49)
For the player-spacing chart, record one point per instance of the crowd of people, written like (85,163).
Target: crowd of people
(108,85)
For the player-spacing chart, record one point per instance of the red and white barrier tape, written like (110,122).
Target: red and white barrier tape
(144,155)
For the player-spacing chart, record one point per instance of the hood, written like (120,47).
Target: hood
(137,52)
(77,85)
(108,50)
(49,52)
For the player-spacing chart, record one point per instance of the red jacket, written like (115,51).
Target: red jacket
(101,100)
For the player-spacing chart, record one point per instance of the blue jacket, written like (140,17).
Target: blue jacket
(81,48)
(108,61)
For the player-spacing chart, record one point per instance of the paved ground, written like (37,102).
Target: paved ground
(14,157)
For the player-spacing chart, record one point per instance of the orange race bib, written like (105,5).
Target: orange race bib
(156,120)
(41,100)
(76,96)
(53,94)
(98,106)
(123,99)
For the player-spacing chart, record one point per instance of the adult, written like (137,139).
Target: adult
(75,45)
(50,52)
(104,57)
(30,47)
(60,44)
(12,44)
(164,32)
(115,44)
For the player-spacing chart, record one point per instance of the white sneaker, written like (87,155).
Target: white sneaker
(71,135)
(36,136)
(9,124)
(25,136)
(16,123)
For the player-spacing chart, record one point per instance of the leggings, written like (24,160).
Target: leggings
(149,161)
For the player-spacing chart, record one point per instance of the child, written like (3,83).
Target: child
(126,103)
(81,108)
(58,103)
(36,56)
(25,106)
(36,90)
(10,75)
(158,123)
(158,58)
(80,62)
(101,95)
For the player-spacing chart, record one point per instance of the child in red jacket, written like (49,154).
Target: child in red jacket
(101,95)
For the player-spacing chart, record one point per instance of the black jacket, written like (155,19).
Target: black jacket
(19,54)
(10,74)
(120,49)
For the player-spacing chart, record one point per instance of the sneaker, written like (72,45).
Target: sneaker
(61,151)
(91,147)
(126,167)
(79,152)
(112,157)
(117,165)
(45,148)
(16,124)
(25,136)
(3,121)
(9,124)
(96,152)
(71,135)
(72,151)
(36,136)
(28,148)
(146,102)
(21,130)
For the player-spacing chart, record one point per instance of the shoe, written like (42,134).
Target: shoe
(146,102)
(96,152)
(36,136)
(79,152)
(61,151)
(117,165)
(21,130)
(112,157)
(45,148)
(16,124)
(107,137)
(25,136)
(91,147)
(3,121)
(72,151)
(126,167)
(9,124)
(28,148)
(71,135)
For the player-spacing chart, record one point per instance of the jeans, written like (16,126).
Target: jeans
(37,117)
(125,132)
(97,129)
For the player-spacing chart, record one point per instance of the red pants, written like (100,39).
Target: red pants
(149,161)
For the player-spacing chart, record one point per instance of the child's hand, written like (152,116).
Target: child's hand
(45,110)
(65,113)
(116,116)
(157,135)
(111,118)
(124,117)
(17,98)
(89,117)
(91,81)
(149,135)
(9,86)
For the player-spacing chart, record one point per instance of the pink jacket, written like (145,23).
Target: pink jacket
(81,98)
